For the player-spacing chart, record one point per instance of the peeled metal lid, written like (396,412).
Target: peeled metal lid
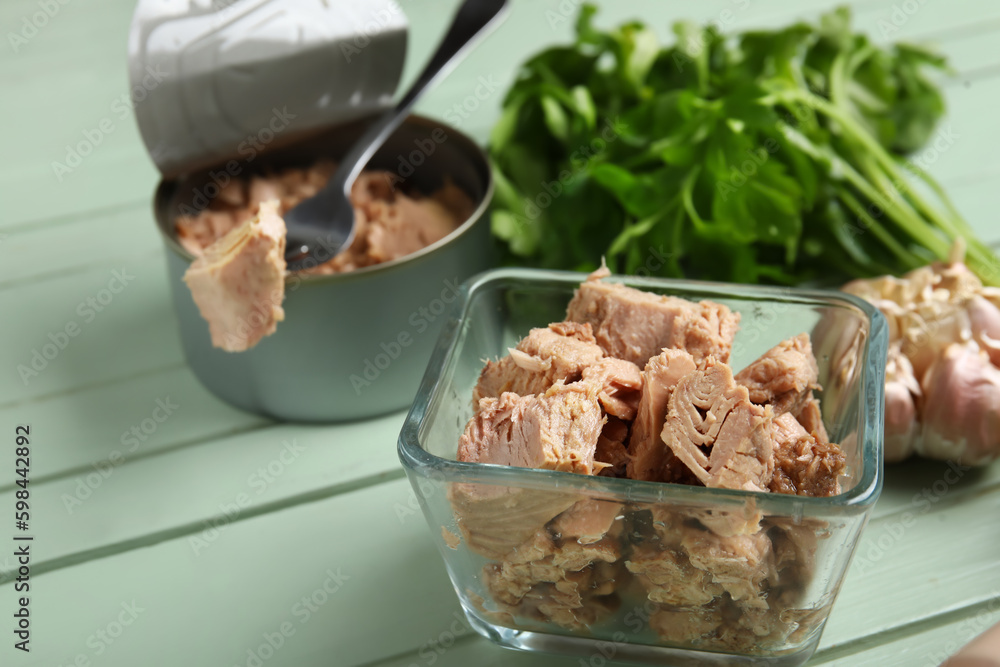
(219,79)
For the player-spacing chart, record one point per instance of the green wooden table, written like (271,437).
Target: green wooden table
(171,529)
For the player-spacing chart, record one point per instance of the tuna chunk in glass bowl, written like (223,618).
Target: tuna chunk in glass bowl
(537,446)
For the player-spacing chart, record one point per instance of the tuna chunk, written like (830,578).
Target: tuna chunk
(795,545)
(650,459)
(730,521)
(559,352)
(238,283)
(588,521)
(564,352)
(727,593)
(803,465)
(611,457)
(634,325)
(557,430)
(618,384)
(407,225)
(262,190)
(788,429)
(714,429)
(562,582)
(783,376)
(691,566)
(730,626)
(495,520)
(739,564)
(811,418)
(670,579)
(686,626)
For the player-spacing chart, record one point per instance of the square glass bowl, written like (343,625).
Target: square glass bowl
(608,568)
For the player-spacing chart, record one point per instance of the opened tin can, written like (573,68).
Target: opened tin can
(250,88)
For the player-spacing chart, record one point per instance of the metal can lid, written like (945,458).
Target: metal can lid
(218,79)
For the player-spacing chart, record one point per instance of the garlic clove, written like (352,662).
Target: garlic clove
(992,348)
(991,294)
(841,343)
(901,395)
(961,407)
(984,318)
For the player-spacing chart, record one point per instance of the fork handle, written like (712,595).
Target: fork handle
(471,22)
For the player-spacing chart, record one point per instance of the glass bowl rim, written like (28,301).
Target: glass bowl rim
(416,459)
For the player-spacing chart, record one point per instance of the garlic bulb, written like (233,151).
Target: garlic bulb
(942,383)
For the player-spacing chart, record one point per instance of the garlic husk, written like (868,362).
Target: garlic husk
(956,280)
(927,328)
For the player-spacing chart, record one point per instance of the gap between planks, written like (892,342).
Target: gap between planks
(58,274)
(70,218)
(156,370)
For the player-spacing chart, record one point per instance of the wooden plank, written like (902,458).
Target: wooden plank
(909,484)
(79,431)
(72,331)
(90,507)
(970,50)
(972,197)
(924,21)
(52,104)
(394,566)
(910,568)
(920,646)
(214,607)
(91,240)
(123,502)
